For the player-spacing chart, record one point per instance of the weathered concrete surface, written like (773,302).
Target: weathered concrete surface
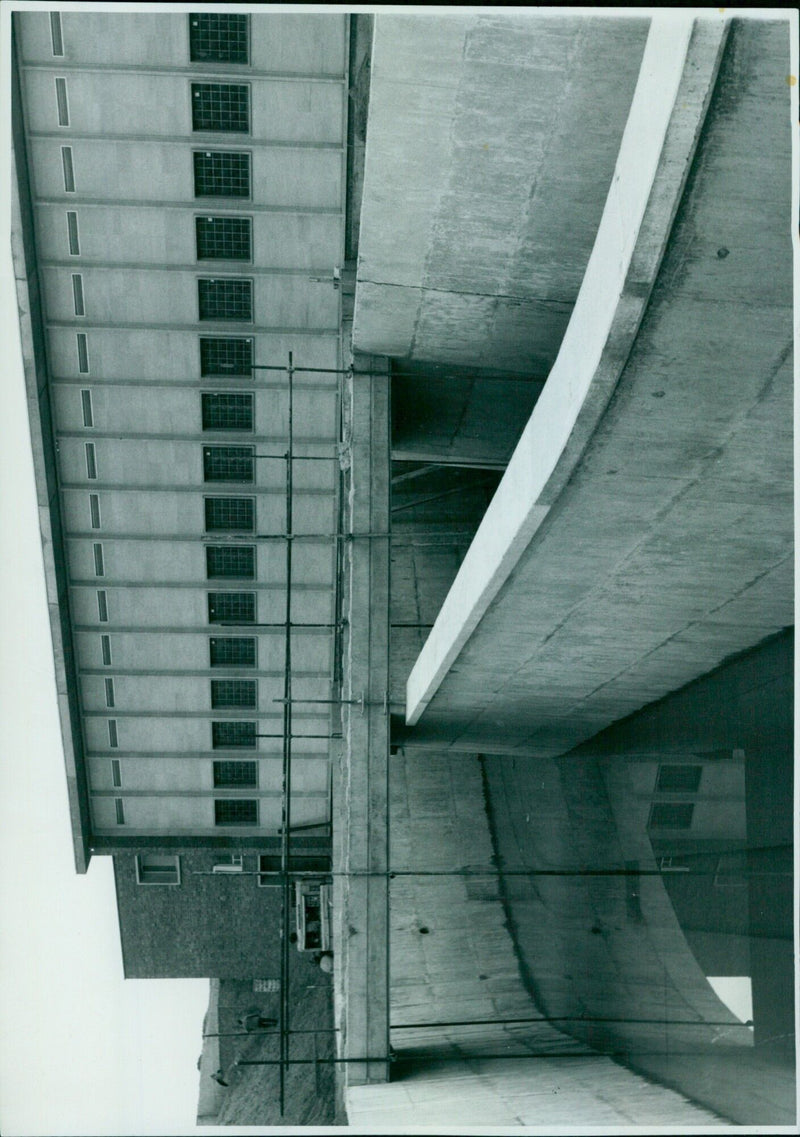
(491,146)
(670,546)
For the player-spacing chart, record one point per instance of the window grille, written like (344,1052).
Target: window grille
(69,171)
(221,173)
(223,238)
(102,606)
(231,607)
(226,299)
(228,463)
(233,651)
(83,353)
(233,735)
(233,693)
(230,562)
(235,811)
(235,775)
(227,410)
(217,38)
(670,815)
(223,107)
(105,643)
(91,461)
(72,233)
(61,102)
(227,356)
(56,34)
(155,868)
(230,514)
(78,301)
(94,510)
(99,566)
(679,779)
(86,407)
(113,740)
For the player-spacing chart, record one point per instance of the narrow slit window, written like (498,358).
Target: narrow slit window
(221,173)
(113,738)
(119,810)
(91,461)
(235,811)
(230,514)
(61,102)
(231,607)
(109,692)
(116,773)
(56,34)
(69,171)
(83,353)
(94,510)
(102,606)
(228,463)
(233,651)
(105,643)
(233,735)
(72,233)
(99,561)
(77,294)
(86,407)
(230,562)
(230,693)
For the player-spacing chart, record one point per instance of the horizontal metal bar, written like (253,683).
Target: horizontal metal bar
(305,1061)
(561,1019)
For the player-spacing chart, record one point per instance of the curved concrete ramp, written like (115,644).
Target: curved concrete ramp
(643,530)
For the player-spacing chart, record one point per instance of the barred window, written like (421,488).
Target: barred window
(102,606)
(119,810)
(227,410)
(231,607)
(233,735)
(230,562)
(232,775)
(228,463)
(116,773)
(218,38)
(113,737)
(227,299)
(83,352)
(72,233)
(86,407)
(221,173)
(56,34)
(105,647)
(235,811)
(230,514)
(69,170)
(224,238)
(221,107)
(233,651)
(669,815)
(99,561)
(233,693)
(91,461)
(226,355)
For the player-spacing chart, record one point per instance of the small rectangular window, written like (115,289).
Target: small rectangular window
(233,693)
(77,294)
(233,651)
(91,461)
(157,868)
(228,463)
(94,510)
(235,811)
(102,606)
(221,107)
(61,102)
(105,643)
(227,356)
(116,773)
(221,173)
(72,233)
(230,514)
(99,564)
(231,607)
(683,779)
(235,775)
(670,815)
(233,735)
(86,407)
(223,238)
(113,740)
(56,34)
(217,38)
(69,171)
(109,692)
(120,811)
(230,562)
(227,410)
(83,353)
(229,298)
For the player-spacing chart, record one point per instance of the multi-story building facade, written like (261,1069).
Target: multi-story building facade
(182,225)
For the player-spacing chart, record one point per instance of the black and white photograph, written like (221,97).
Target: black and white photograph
(397,590)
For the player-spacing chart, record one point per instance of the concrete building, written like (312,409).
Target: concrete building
(542,265)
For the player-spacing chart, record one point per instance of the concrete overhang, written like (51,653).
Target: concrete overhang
(642,532)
